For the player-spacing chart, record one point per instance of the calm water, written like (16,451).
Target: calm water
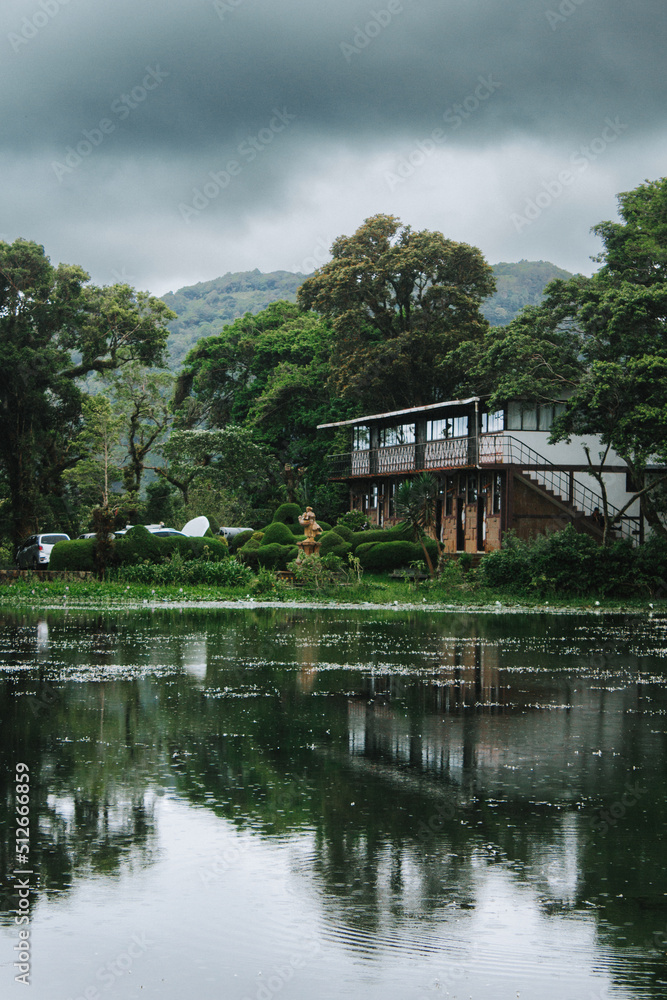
(249,804)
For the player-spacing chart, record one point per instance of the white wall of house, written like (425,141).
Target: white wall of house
(563,455)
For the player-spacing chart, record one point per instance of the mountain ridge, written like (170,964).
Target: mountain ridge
(204,308)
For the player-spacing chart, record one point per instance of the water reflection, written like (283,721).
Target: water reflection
(480,794)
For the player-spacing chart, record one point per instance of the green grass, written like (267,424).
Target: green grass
(376,589)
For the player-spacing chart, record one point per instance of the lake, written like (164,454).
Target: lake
(252,803)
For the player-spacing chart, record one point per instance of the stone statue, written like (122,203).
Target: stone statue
(310,546)
(311,528)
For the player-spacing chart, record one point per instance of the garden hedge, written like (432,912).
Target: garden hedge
(78,554)
(393,555)
(331,543)
(278,533)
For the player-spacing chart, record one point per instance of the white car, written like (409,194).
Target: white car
(160,530)
(35,552)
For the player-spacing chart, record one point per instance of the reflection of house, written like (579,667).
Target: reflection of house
(496,471)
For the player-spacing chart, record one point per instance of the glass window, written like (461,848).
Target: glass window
(472,487)
(514,416)
(546,414)
(437,430)
(521,417)
(361,438)
(493,422)
(529,419)
(459,427)
(403,434)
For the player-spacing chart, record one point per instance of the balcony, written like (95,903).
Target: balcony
(456,453)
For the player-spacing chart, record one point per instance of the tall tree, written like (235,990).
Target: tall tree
(222,471)
(398,301)
(267,373)
(601,344)
(54,330)
(142,398)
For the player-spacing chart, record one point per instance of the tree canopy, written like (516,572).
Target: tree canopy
(600,343)
(55,329)
(398,301)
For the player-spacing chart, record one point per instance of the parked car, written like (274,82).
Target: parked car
(35,552)
(161,530)
(230,533)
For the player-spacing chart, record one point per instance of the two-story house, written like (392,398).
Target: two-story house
(496,471)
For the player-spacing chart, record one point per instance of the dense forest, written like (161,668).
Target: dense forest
(203,309)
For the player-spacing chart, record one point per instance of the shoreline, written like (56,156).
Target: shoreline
(370,596)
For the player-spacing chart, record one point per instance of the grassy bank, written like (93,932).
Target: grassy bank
(465,593)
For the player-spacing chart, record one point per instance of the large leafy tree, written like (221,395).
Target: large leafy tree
(601,342)
(267,373)
(223,471)
(55,329)
(399,301)
(142,398)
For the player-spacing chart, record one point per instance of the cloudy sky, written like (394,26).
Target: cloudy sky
(165,142)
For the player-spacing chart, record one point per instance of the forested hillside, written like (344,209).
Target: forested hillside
(203,309)
(518,285)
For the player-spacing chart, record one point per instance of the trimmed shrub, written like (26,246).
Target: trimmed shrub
(138,545)
(238,541)
(324,525)
(331,543)
(354,520)
(213,549)
(276,556)
(278,533)
(389,555)
(288,513)
(78,554)
(400,533)
(345,533)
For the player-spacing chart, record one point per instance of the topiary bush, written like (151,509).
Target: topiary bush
(401,532)
(276,556)
(331,543)
(288,513)
(354,520)
(238,541)
(278,533)
(389,555)
(137,546)
(345,533)
(78,554)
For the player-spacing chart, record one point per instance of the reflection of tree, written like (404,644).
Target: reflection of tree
(405,756)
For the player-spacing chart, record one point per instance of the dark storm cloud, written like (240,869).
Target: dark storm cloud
(229,63)
(264,127)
